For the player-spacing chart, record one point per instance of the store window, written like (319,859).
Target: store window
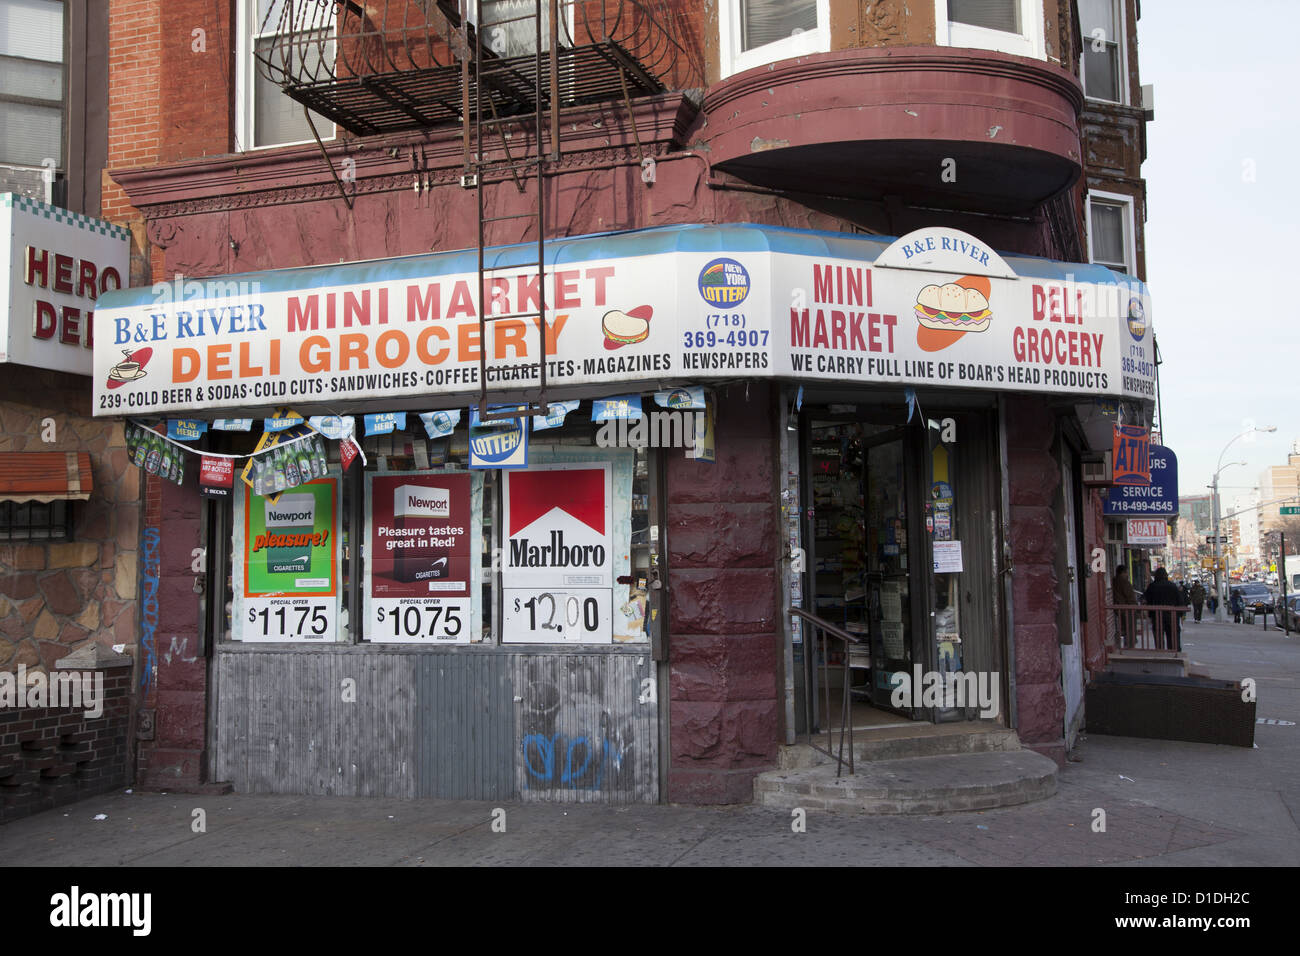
(755,32)
(35,521)
(1007,26)
(32,83)
(414,547)
(1110,231)
(294,34)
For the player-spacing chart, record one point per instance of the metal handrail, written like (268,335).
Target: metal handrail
(1164,622)
(846,710)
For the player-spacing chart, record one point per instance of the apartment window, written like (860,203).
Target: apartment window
(1102,68)
(1007,26)
(32,80)
(1110,231)
(755,32)
(35,521)
(295,35)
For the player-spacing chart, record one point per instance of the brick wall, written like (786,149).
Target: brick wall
(50,756)
(56,596)
(1034,476)
(725,646)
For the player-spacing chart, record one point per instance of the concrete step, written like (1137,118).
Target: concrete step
(942,784)
(912,740)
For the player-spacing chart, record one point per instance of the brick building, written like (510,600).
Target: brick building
(633,207)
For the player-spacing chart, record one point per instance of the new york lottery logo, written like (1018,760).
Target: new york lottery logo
(724,282)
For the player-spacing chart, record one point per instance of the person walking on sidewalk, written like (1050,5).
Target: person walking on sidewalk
(1122,593)
(1198,600)
(1238,606)
(1163,593)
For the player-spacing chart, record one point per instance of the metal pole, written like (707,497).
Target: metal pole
(1218,586)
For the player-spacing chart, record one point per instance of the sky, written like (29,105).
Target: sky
(1222,233)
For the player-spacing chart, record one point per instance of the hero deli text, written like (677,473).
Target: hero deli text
(1056,339)
(81,278)
(228,349)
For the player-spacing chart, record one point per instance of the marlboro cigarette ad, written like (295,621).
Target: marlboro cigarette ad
(420,576)
(557,566)
(287,556)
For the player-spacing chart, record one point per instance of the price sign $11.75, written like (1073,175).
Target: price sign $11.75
(289,619)
(419,620)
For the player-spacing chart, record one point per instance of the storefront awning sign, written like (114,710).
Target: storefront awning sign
(1160,497)
(676,305)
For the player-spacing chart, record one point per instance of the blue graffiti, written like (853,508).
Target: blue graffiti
(588,774)
(149,576)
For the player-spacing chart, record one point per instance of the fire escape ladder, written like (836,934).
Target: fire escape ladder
(489,77)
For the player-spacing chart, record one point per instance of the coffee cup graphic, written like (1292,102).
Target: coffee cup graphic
(418,507)
(291,518)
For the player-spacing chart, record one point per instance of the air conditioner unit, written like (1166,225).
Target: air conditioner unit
(1097,472)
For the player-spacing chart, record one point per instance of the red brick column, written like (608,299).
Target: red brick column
(175,687)
(1033,474)
(724,647)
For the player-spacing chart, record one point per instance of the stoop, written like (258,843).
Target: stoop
(920,768)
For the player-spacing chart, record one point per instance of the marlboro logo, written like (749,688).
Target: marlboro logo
(555,554)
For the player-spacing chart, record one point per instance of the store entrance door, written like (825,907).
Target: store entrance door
(863,561)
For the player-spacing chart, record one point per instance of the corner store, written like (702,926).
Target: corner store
(691,709)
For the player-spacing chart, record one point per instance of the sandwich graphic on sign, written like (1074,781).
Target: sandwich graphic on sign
(947,312)
(626,328)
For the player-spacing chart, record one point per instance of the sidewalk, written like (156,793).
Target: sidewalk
(1166,803)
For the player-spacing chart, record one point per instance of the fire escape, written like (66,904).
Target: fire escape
(501,69)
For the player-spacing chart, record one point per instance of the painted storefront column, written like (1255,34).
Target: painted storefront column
(1034,474)
(724,647)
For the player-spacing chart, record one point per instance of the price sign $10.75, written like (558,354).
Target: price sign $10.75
(537,616)
(419,620)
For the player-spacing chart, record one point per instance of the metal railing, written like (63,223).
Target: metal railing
(395,64)
(1147,627)
(817,651)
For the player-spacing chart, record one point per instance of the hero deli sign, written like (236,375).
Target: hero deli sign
(59,265)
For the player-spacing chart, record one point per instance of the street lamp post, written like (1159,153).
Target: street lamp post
(1220,612)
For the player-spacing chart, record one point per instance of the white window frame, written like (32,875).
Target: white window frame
(732,59)
(246,82)
(1130,226)
(1122,25)
(1028,43)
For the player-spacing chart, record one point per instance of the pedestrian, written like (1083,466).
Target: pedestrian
(1121,590)
(1185,597)
(1198,599)
(1162,592)
(1213,602)
(1238,606)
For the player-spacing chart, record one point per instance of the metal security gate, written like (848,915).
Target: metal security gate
(456,723)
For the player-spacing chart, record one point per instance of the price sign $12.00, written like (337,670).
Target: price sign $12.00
(541,616)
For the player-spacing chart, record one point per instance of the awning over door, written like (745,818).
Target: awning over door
(45,476)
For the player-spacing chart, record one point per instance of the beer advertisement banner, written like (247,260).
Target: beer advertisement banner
(422,573)
(558,562)
(936,306)
(287,558)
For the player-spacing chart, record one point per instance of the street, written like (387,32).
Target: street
(1165,803)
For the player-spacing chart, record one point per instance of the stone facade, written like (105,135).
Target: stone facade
(56,596)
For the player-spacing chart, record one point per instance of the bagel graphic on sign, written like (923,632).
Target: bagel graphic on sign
(947,312)
(626,328)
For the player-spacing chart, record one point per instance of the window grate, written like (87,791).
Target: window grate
(35,521)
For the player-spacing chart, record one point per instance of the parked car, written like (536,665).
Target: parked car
(1292,611)
(1259,597)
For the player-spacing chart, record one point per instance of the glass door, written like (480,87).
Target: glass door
(890,561)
